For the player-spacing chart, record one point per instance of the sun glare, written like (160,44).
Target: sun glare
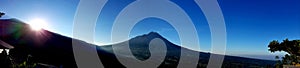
(38,24)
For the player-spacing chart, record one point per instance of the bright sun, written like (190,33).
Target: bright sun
(38,24)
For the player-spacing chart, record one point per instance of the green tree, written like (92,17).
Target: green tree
(292,47)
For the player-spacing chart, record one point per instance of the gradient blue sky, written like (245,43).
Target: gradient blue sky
(250,24)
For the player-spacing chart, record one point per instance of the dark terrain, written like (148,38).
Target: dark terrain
(56,50)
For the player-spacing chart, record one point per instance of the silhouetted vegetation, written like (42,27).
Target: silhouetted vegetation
(292,47)
(5,59)
(1,14)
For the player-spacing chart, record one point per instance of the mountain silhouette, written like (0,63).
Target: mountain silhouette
(55,49)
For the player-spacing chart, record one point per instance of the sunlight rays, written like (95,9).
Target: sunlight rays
(38,24)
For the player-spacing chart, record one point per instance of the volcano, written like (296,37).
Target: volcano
(49,49)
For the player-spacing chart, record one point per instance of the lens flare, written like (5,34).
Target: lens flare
(38,24)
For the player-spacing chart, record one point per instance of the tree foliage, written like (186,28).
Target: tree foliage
(1,14)
(292,47)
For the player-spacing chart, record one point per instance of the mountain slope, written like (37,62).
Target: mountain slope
(54,49)
(140,49)
(45,47)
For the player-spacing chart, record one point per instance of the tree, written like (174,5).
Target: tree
(1,14)
(292,47)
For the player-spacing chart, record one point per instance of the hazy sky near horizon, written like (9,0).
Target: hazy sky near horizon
(250,24)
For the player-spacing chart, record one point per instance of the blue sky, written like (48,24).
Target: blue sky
(250,24)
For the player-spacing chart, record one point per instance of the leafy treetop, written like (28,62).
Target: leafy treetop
(290,46)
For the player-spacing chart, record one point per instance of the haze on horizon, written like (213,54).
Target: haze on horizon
(250,24)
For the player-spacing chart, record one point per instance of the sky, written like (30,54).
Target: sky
(250,24)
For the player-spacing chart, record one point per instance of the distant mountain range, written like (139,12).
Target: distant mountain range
(54,49)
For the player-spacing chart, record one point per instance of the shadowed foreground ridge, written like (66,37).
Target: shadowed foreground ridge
(51,49)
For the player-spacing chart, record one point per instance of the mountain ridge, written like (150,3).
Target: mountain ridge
(57,49)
